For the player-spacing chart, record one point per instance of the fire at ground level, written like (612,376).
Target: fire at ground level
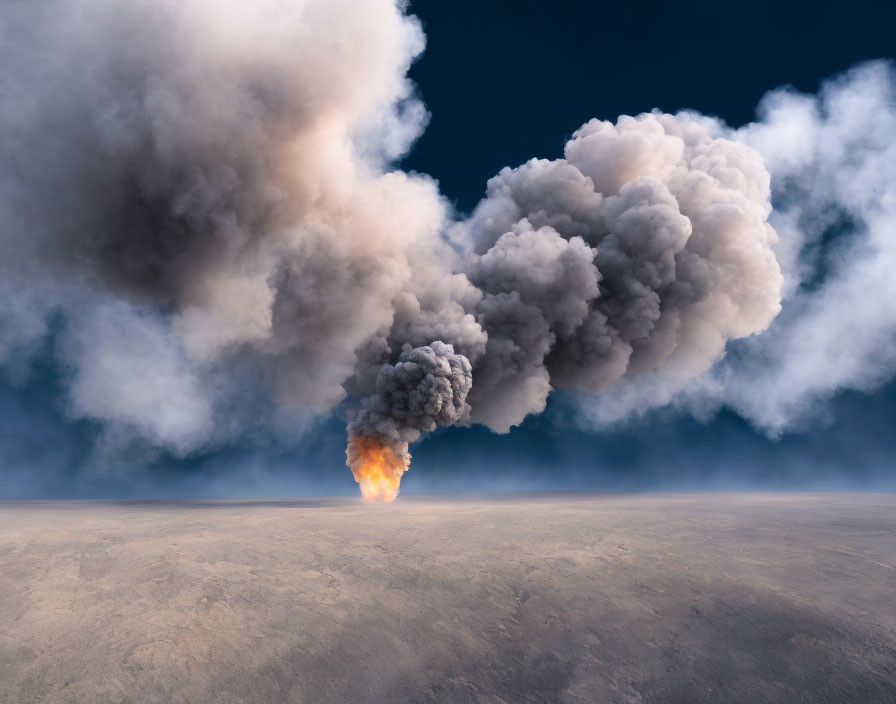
(376,467)
(668,598)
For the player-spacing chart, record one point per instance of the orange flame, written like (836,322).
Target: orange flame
(376,467)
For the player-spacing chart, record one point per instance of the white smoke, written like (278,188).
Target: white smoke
(833,162)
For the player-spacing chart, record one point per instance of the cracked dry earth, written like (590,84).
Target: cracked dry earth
(667,598)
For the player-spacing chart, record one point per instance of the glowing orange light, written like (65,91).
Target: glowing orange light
(376,467)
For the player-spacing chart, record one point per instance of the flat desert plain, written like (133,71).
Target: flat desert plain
(554,598)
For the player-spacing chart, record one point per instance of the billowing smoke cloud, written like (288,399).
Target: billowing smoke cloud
(646,248)
(197,197)
(832,160)
(427,388)
(197,190)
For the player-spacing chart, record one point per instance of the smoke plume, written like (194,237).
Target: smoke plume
(427,388)
(199,202)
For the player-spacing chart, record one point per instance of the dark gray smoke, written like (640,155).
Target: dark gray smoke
(425,389)
(646,248)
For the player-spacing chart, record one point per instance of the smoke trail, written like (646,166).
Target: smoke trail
(200,194)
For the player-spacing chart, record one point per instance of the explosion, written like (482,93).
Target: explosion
(377,468)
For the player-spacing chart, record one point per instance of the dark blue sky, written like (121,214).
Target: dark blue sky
(507,81)
(511,80)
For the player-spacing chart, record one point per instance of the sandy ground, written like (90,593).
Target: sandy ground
(716,598)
